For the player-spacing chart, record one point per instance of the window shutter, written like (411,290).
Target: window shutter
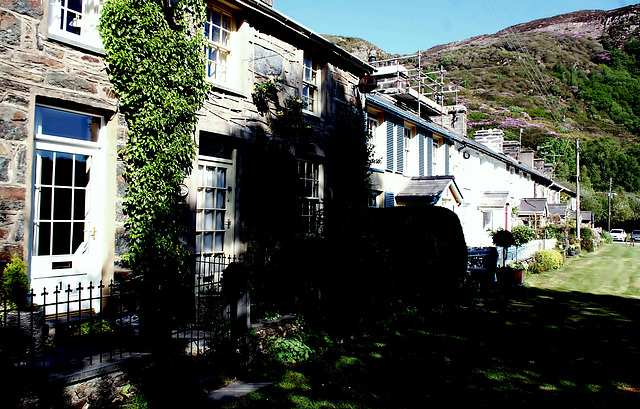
(446,158)
(400,145)
(429,142)
(389,199)
(421,152)
(390,158)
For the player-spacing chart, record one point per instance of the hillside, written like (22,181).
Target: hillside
(552,80)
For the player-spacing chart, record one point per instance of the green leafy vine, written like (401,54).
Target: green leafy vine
(156,64)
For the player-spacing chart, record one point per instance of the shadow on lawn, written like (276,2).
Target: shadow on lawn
(524,348)
(527,347)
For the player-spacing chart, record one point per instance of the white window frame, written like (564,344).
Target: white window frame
(217,45)
(315,199)
(310,77)
(73,26)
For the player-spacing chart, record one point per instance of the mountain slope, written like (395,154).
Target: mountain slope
(552,80)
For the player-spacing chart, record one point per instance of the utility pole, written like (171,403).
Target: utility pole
(578,215)
(609,218)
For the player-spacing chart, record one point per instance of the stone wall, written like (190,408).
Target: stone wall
(34,70)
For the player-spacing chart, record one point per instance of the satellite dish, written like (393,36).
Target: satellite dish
(367,84)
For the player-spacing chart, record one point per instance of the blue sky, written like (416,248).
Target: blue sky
(405,26)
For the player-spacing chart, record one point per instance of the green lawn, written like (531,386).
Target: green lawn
(612,270)
(568,339)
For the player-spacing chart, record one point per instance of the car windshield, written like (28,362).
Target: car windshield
(636,232)
(616,231)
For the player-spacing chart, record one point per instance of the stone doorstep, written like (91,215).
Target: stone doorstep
(235,390)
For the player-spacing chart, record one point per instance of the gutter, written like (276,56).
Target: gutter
(464,142)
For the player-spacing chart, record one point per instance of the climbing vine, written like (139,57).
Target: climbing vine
(156,64)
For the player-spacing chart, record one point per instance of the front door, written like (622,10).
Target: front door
(63,247)
(215,204)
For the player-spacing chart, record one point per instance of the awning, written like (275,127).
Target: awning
(558,209)
(493,200)
(585,215)
(533,207)
(428,190)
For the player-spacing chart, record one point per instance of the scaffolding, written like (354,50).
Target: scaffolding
(405,80)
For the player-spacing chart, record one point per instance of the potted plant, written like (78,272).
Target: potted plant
(573,249)
(518,272)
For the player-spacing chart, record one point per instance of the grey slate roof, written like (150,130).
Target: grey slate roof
(533,207)
(426,189)
(493,200)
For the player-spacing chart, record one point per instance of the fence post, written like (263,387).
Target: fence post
(236,285)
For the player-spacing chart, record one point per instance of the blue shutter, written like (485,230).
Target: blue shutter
(421,152)
(390,159)
(429,142)
(400,145)
(446,158)
(389,199)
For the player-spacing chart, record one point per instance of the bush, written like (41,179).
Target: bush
(544,260)
(523,235)
(14,284)
(606,237)
(587,245)
(503,238)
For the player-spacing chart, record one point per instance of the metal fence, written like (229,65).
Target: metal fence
(71,327)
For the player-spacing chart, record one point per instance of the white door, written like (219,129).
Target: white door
(63,240)
(215,208)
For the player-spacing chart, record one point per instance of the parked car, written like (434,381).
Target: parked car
(618,235)
(635,235)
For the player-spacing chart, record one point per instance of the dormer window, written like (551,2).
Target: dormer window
(217,32)
(75,22)
(310,85)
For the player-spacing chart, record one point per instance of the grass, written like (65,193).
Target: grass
(569,339)
(611,270)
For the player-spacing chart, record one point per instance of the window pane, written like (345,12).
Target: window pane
(62,204)
(81,171)
(208,198)
(62,243)
(63,169)
(207,246)
(45,203)
(46,171)
(219,245)
(199,219)
(44,238)
(222,177)
(211,176)
(221,200)
(208,219)
(55,122)
(198,242)
(78,237)
(79,204)
(75,5)
(220,221)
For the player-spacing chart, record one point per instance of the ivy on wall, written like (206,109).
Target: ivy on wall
(156,64)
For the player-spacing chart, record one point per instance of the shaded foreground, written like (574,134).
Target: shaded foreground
(525,347)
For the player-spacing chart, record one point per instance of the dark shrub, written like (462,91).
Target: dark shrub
(420,251)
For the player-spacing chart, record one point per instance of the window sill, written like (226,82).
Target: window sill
(75,43)
(216,86)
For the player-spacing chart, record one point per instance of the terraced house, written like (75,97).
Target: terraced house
(61,184)
(424,157)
